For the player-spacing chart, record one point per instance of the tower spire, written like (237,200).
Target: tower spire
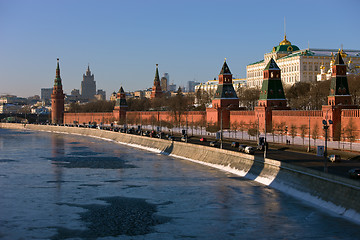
(57,81)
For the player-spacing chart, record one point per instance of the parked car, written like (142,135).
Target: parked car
(334,158)
(183,139)
(214,144)
(203,139)
(354,173)
(242,147)
(249,150)
(235,144)
(171,138)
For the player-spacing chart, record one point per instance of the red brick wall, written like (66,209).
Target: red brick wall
(106,117)
(288,117)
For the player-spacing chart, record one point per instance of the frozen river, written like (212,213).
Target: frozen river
(55,186)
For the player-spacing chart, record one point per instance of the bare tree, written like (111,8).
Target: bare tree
(235,127)
(315,133)
(350,132)
(293,132)
(303,131)
(242,128)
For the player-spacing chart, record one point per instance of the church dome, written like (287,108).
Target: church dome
(285,46)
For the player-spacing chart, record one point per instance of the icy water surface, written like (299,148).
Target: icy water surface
(55,186)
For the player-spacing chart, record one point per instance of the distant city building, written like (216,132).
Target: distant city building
(40,110)
(46,94)
(113,96)
(164,82)
(100,95)
(88,85)
(12,99)
(211,85)
(172,88)
(139,94)
(191,86)
(75,92)
(296,65)
(10,108)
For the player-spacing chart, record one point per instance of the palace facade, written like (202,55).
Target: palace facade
(298,65)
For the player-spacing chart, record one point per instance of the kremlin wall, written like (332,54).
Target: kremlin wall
(271,112)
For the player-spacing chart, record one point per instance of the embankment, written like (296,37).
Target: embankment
(337,194)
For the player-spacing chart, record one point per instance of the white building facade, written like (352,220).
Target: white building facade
(297,65)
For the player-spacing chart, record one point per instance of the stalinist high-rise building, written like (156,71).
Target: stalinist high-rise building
(88,85)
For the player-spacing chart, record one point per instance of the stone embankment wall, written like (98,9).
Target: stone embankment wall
(337,194)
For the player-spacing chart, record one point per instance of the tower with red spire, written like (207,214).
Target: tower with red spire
(57,99)
(156,89)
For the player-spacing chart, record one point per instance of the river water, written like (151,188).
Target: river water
(56,186)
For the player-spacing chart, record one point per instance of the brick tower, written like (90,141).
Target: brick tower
(57,99)
(225,99)
(339,97)
(120,105)
(272,92)
(156,89)
(339,89)
(272,96)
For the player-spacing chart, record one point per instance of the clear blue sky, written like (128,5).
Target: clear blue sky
(123,40)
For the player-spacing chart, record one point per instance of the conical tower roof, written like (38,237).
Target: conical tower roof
(157,78)
(121,90)
(272,65)
(339,59)
(57,81)
(225,68)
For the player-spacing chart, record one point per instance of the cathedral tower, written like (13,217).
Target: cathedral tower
(57,99)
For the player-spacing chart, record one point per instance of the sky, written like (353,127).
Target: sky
(122,41)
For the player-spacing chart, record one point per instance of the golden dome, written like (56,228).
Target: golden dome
(285,41)
(322,67)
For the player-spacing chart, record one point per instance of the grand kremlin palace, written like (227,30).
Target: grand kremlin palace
(298,65)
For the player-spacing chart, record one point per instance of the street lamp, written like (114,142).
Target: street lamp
(326,127)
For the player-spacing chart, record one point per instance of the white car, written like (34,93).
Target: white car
(249,150)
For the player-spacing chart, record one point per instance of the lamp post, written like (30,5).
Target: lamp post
(326,127)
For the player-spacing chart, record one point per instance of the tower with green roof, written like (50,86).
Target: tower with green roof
(225,94)
(225,99)
(339,89)
(57,99)
(272,91)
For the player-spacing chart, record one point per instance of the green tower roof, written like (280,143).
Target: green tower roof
(57,81)
(272,88)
